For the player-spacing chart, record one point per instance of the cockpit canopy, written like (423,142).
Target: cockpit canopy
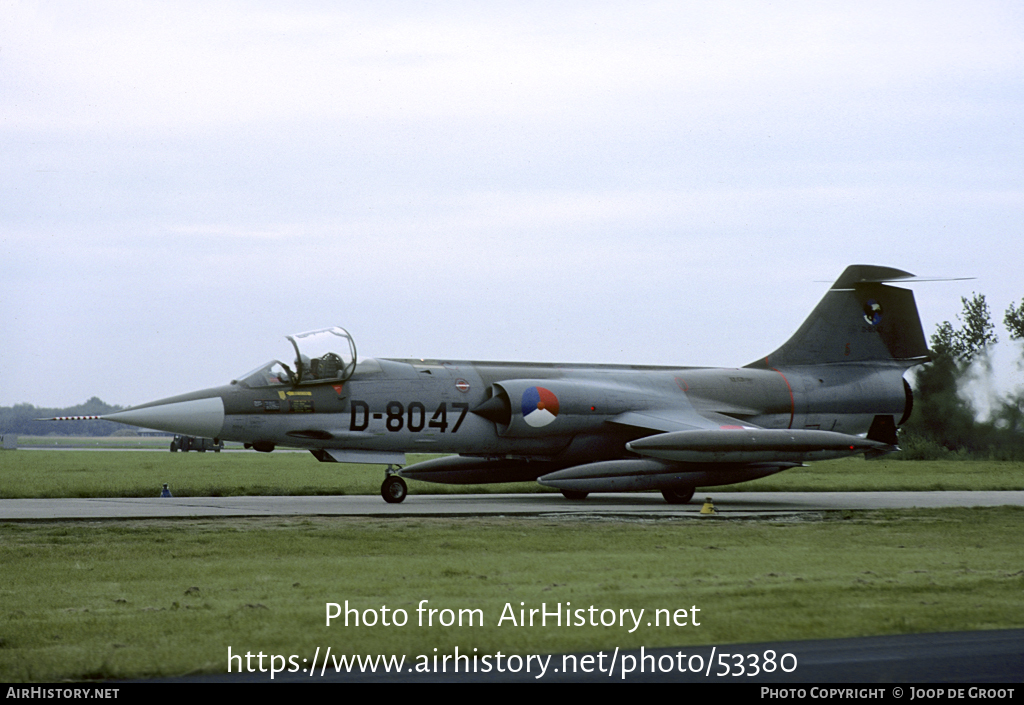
(327,355)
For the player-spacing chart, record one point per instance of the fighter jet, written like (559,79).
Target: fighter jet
(834,389)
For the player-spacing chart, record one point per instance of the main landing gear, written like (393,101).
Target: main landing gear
(678,496)
(394,489)
(574,494)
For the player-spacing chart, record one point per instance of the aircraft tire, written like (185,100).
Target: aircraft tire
(574,494)
(394,489)
(682,496)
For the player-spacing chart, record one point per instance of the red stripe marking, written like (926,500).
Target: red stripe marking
(792,401)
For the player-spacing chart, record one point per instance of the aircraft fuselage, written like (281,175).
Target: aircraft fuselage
(419,406)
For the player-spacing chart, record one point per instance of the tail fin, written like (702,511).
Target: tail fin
(860,319)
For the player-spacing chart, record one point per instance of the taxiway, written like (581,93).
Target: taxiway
(650,505)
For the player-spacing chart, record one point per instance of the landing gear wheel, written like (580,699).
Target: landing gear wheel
(681,496)
(574,494)
(394,489)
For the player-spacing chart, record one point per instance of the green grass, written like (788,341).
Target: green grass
(859,475)
(116,599)
(35,473)
(69,473)
(161,442)
(145,598)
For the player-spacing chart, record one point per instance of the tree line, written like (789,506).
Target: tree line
(944,422)
(23,419)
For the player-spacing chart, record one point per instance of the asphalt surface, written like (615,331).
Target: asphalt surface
(727,504)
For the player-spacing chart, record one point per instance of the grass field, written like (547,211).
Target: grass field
(144,598)
(161,442)
(69,473)
(73,473)
(116,599)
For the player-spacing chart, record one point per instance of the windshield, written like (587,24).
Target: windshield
(327,355)
(272,374)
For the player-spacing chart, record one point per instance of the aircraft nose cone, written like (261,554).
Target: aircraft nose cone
(195,417)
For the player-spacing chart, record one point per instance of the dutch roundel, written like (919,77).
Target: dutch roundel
(540,406)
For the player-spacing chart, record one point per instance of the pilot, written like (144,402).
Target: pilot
(305,367)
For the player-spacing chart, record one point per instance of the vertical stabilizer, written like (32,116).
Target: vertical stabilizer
(860,319)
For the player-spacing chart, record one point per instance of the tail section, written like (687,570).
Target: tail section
(860,319)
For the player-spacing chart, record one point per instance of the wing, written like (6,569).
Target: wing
(669,420)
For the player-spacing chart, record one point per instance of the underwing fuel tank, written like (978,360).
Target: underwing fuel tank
(686,459)
(639,474)
(753,445)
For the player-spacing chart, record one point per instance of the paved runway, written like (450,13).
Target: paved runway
(650,505)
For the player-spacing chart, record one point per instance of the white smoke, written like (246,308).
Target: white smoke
(994,378)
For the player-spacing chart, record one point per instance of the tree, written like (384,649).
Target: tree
(1014,321)
(942,418)
(975,334)
(943,342)
(24,419)
(1011,413)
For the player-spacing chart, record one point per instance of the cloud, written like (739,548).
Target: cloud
(183,66)
(659,182)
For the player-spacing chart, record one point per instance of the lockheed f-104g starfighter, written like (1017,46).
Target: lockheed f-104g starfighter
(834,389)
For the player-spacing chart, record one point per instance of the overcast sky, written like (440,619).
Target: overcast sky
(184,184)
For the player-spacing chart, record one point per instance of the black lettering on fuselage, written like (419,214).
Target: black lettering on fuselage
(411,416)
(359,408)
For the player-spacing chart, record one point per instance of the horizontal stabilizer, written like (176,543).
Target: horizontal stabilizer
(870,273)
